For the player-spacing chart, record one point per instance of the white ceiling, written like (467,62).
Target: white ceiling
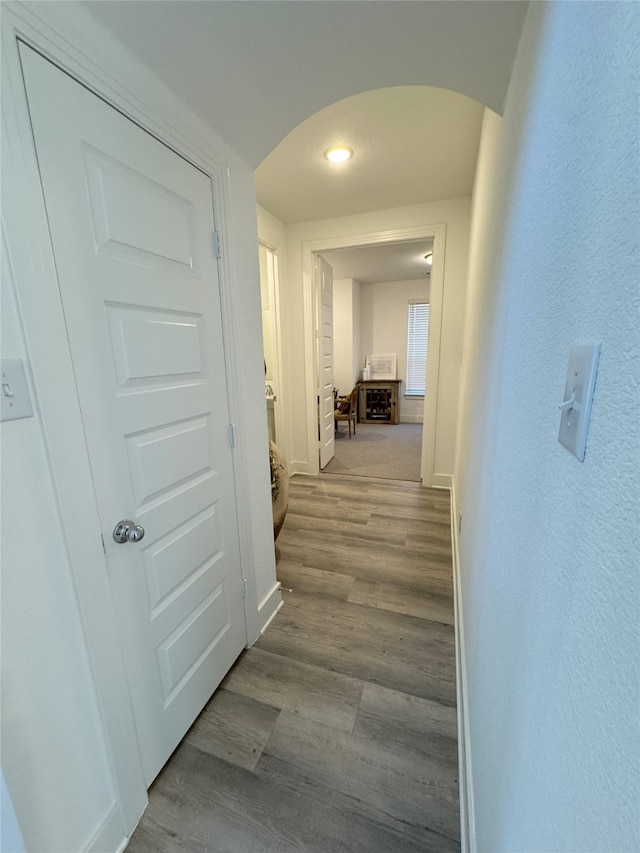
(292,78)
(388,263)
(255,69)
(411,144)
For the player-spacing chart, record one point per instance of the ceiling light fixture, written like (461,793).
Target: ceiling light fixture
(429,258)
(339,154)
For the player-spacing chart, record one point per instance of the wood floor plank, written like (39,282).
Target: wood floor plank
(363,553)
(233,727)
(398,510)
(317,506)
(428,728)
(301,578)
(388,596)
(344,526)
(299,687)
(336,731)
(377,565)
(427,546)
(312,508)
(209,806)
(346,484)
(421,793)
(303,482)
(419,522)
(390,649)
(427,542)
(365,487)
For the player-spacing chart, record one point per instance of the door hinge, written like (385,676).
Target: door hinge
(217,244)
(233,435)
(244,587)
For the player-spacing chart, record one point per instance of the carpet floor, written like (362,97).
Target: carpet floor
(389,451)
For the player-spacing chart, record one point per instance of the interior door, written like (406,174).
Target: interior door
(132,231)
(324,289)
(268,277)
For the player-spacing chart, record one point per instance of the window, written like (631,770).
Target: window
(417,339)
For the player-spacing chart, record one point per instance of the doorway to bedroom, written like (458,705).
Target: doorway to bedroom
(381,351)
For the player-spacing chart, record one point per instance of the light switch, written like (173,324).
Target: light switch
(14,393)
(578,395)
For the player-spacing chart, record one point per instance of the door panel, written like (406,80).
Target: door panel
(148,347)
(327,423)
(137,218)
(132,231)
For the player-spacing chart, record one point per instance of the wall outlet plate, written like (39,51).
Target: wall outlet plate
(14,392)
(578,397)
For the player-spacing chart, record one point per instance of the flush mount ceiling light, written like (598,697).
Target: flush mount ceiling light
(339,154)
(429,258)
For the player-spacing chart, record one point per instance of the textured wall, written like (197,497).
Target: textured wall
(549,545)
(54,752)
(54,749)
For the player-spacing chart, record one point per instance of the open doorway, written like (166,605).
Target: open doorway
(376,278)
(321,206)
(269,298)
(380,297)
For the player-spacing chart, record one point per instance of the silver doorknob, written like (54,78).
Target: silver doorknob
(127,531)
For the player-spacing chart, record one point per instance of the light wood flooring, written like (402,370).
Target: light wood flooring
(336,731)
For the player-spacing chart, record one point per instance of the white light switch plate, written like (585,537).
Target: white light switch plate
(578,396)
(14,393)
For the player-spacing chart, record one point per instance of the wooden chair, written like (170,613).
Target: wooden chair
(346,409)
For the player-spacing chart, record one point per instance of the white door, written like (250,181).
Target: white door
(324,290)
(268,287)
(132,232)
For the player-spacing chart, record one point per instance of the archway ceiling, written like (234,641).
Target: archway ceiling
(255,70)
(411,144)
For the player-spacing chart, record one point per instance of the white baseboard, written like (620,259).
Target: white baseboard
(443,481)
(467,812)
(268,607)
(297,466)
(109,834)
(411,419)
(271,618)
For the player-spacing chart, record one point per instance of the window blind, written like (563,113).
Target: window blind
(417,341)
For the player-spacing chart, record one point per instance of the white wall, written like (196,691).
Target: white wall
(268,320)
(384,310)
(455,214)
(252,463)
(549,546)
(272,234)
(356,329)
(55,754)
(271,231)
(346,333)
(54,751)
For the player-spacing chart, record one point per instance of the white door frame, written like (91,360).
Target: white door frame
(280,421)
(56,34)
(318,331)
(436,232)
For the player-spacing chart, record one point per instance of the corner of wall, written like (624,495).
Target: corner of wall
(467,813)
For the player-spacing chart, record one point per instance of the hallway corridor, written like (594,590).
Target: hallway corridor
(336,731)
